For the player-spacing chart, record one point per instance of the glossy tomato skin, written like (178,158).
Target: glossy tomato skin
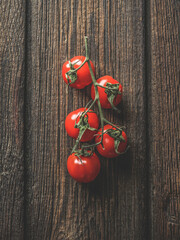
(74,132)
(108,143)
(102,95)
(83,74)
(84,170)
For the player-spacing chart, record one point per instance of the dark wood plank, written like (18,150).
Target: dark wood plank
(164,121)
(114,206)
(11,119)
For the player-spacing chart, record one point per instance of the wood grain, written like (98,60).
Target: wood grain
(12,74)
(164,132)
(115,205)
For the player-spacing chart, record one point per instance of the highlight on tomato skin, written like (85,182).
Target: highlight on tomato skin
(108,148)
(103,96)
(74,118)
(83,169)
(83,74)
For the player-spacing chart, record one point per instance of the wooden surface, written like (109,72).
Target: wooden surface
(135,197)
(12,78)
(164,128)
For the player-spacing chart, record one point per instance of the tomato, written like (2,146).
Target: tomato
(83,169)
(109,150)
(83,74)
(89,124)
(115,94)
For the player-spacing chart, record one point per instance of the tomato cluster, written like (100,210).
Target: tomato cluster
(83,124)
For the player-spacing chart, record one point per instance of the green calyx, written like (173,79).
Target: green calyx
(71,74)
(84,153)
(83,124)
(112,90)
(117,136)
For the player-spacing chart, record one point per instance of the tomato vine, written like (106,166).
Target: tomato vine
(112,92)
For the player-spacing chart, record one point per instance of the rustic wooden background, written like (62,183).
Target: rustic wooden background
(136,197)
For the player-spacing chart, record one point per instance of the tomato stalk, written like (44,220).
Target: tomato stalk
(96,94)
(110,123)
(75,70)
(81,132)
(91,105)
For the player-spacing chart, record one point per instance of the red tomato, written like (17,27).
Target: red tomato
(109,143)
(74,118)
(83,74)
(103,97)
(85,169)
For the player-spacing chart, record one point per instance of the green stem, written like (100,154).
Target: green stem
(94,83)
(92,104)
(100,86)
(78,140)
(95,87)
(86,48)
(75,70)
(110,123)
(91,145)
